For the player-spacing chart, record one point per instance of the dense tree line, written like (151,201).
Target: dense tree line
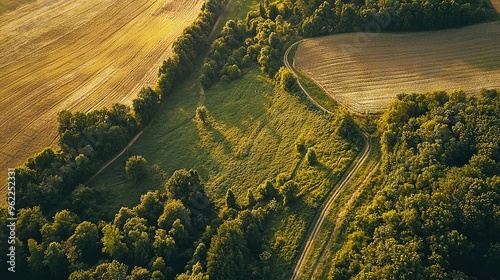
(407,15)
(188,46)
(86,140)
(436,216)
(174,233)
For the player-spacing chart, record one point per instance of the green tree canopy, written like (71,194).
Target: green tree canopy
(184,185)
(136,167)
(226,256)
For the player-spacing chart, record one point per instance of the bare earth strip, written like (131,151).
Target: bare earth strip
(77,55)
(370,73)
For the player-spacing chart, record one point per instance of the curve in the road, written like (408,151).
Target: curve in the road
(287,65)
(338,188)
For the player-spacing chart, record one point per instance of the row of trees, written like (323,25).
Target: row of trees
(188,46)
(87,140)
(435,217)
(407,15)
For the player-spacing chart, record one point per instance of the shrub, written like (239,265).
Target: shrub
(285,78)
(202,114)
(136,167)
(281,179)
(289,192)
(311,157)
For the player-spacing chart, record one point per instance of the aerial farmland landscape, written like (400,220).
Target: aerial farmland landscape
(250,139)
(78,56)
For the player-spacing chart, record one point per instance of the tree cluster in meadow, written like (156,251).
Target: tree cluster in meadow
(260,39)
(86,140)
(435,215)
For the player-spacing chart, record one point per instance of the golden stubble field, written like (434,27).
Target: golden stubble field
(368,75)
(77,55)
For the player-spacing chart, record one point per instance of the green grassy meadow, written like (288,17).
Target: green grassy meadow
(250,137)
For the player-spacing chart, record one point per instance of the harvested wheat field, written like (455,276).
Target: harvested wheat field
(77,55)
(369,73)
(10,5)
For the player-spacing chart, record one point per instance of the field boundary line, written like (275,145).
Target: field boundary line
(291,67)
(287,64)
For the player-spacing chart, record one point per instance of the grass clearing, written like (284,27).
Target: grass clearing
(240,8)
(78,56)
(250,137)
(368,75)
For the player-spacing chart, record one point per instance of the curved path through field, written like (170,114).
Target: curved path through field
(355,167)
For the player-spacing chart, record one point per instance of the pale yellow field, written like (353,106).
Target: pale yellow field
(77,55)
(366,77)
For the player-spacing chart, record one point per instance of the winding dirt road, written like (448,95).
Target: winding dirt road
(337,188)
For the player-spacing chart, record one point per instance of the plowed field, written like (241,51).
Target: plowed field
(77,55)
(366,71)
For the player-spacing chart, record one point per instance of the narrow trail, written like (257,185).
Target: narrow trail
(116,157)
(340,219)
(287,64)
(338,188)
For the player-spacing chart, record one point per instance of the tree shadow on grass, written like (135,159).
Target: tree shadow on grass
(215,136)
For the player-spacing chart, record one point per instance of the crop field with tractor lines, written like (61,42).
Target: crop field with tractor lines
(365,71)
(78,56)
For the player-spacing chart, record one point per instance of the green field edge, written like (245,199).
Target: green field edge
(359,183)
(314,90)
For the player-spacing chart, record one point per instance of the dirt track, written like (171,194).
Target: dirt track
(337,189)
(77,55)
(365,73)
